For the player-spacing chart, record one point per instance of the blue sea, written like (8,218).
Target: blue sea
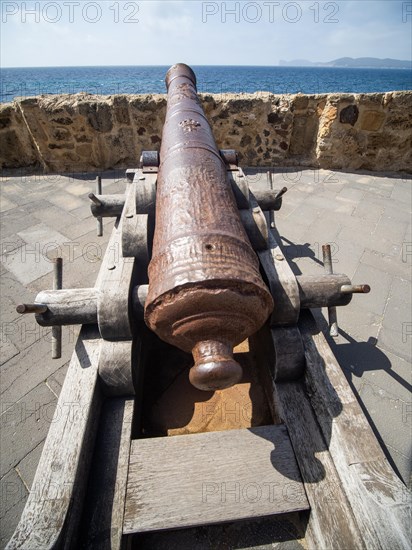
(27,82)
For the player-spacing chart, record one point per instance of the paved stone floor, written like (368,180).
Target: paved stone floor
(365,217)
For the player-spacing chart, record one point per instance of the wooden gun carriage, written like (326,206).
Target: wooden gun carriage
(148,444)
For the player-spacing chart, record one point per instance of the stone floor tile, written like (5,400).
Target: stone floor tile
(83,212)
(27,467)
(30,261)
(24,424)
(389,417)
(13,495)
(55,381)
(367,211)
(33,365)
(398,314)
(13,221)
(350,194)
(306,214)
(6,204)
(346,256)
(8,244)
(12,291)
(78,189)
(7,350)
(291,233)
(28,264)
(397,339)
(392,231)
(402,465)
(66,201)
(380,283)
(55,217)
(401,194)
(359,323)
(321,231)
(76,229)
(387,263)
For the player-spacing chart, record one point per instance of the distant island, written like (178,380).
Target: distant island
(350,62)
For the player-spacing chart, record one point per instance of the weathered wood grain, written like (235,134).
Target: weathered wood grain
(115,282)
(282,284)
(102,526)
(255,226)
(51,516)
(74,306)
(331,521)
(138,221)
(289,355)
(239,185)
(200,479)
(145,192)
(110,206)
(380,501)
(115,367)
(322,290)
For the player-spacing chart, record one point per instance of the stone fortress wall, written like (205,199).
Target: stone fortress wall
(82,132)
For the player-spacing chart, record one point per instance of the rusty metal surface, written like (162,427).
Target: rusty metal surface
(205,290)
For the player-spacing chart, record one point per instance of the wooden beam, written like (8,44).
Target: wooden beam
(380,501)
(200,479)
(102,524)
(54,505)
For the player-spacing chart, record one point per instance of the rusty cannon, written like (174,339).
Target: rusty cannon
(200,370)
(205,290)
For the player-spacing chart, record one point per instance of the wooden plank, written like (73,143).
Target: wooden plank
(115,282)
(282,284)
(102,525)
(52,512)
(200,479)
(380,501)
(331,521)
(115,367)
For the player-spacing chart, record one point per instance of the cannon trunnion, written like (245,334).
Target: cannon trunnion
(201,390)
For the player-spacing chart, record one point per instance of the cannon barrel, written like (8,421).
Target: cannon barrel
(206,294)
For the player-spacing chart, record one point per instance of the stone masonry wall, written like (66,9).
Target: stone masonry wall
(82,132)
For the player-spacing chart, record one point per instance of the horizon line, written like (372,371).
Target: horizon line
(314,66)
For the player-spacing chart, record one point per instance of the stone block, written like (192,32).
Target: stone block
(349,115)
(303,138)
(372,121)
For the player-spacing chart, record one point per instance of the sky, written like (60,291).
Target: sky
(163,32)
